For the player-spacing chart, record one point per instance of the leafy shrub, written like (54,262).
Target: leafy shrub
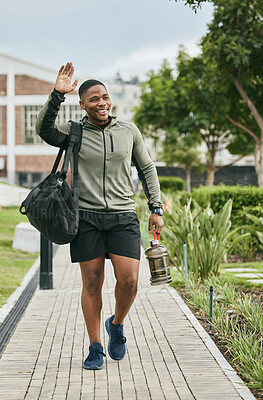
(217,196)
(247,248)
(206,234)
(171,183)
(246,200)
(238,319)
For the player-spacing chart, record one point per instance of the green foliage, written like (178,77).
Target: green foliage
(234,39)
(13,263)
(234,45)
(246,248)
(195,4)
(256,226)
(181,152)
(240,281)
(232,53)
(251,311)
(187,111)
(238,320)
(171,183)
(216,196)
(247,351)
(206,234)
(247,205)
(158,103)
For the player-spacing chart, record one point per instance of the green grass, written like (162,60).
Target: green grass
(14,264)
(230,276)
(178,279)
(237,322)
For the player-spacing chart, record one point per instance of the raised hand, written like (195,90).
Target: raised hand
(63,82)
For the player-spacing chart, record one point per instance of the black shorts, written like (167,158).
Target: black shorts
(117,233)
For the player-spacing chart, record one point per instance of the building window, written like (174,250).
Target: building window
(66,113)
(30,115)
(29,179)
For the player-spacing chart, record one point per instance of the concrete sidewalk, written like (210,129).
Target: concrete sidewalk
(169,356)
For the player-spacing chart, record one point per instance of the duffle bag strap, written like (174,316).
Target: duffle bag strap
(57,160)
(75,137)
(75,186)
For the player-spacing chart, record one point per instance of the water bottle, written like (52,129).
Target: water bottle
(157,258)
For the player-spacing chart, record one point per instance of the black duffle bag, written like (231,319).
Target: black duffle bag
(52,206)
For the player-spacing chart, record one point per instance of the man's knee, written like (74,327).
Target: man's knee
(92,283)
(129,283)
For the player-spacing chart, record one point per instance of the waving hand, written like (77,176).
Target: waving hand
(63,82)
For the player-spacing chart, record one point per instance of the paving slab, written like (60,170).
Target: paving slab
(241,269)
(169,355)
(249,275)
(257,281)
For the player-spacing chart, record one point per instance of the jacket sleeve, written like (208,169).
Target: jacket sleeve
(146,170)
(51,133)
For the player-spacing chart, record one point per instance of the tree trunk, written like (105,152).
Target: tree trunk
(188,180)
(210,177)
(259,144)
(259,160)
(211,168)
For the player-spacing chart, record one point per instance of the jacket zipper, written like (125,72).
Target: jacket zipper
(111,142)
(104,170)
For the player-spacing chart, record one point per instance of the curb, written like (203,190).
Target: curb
(231,374)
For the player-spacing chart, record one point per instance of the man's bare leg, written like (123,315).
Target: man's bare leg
(126,272)
(92,273)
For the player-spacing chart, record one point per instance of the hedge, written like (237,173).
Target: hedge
(217,196)
(171,183)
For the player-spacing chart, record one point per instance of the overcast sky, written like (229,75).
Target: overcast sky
(101,37)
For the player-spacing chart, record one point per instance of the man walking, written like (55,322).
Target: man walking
(108,226)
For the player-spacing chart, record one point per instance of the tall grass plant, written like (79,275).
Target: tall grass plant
(208,237)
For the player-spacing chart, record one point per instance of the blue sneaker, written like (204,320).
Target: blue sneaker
(116,346)
(95,357)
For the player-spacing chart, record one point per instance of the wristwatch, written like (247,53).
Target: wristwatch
(157,210)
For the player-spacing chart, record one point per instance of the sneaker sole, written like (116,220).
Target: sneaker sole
(108,332)
(92,367)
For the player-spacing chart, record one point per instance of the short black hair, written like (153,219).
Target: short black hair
(88,84)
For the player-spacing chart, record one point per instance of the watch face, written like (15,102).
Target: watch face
(158,211)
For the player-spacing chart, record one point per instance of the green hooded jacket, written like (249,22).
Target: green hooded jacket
(105,158)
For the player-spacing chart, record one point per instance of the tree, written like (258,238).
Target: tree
(174,151)
(206,107)
(195,4)
(185,109)
(158,103)
(234,43)
(158,113)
